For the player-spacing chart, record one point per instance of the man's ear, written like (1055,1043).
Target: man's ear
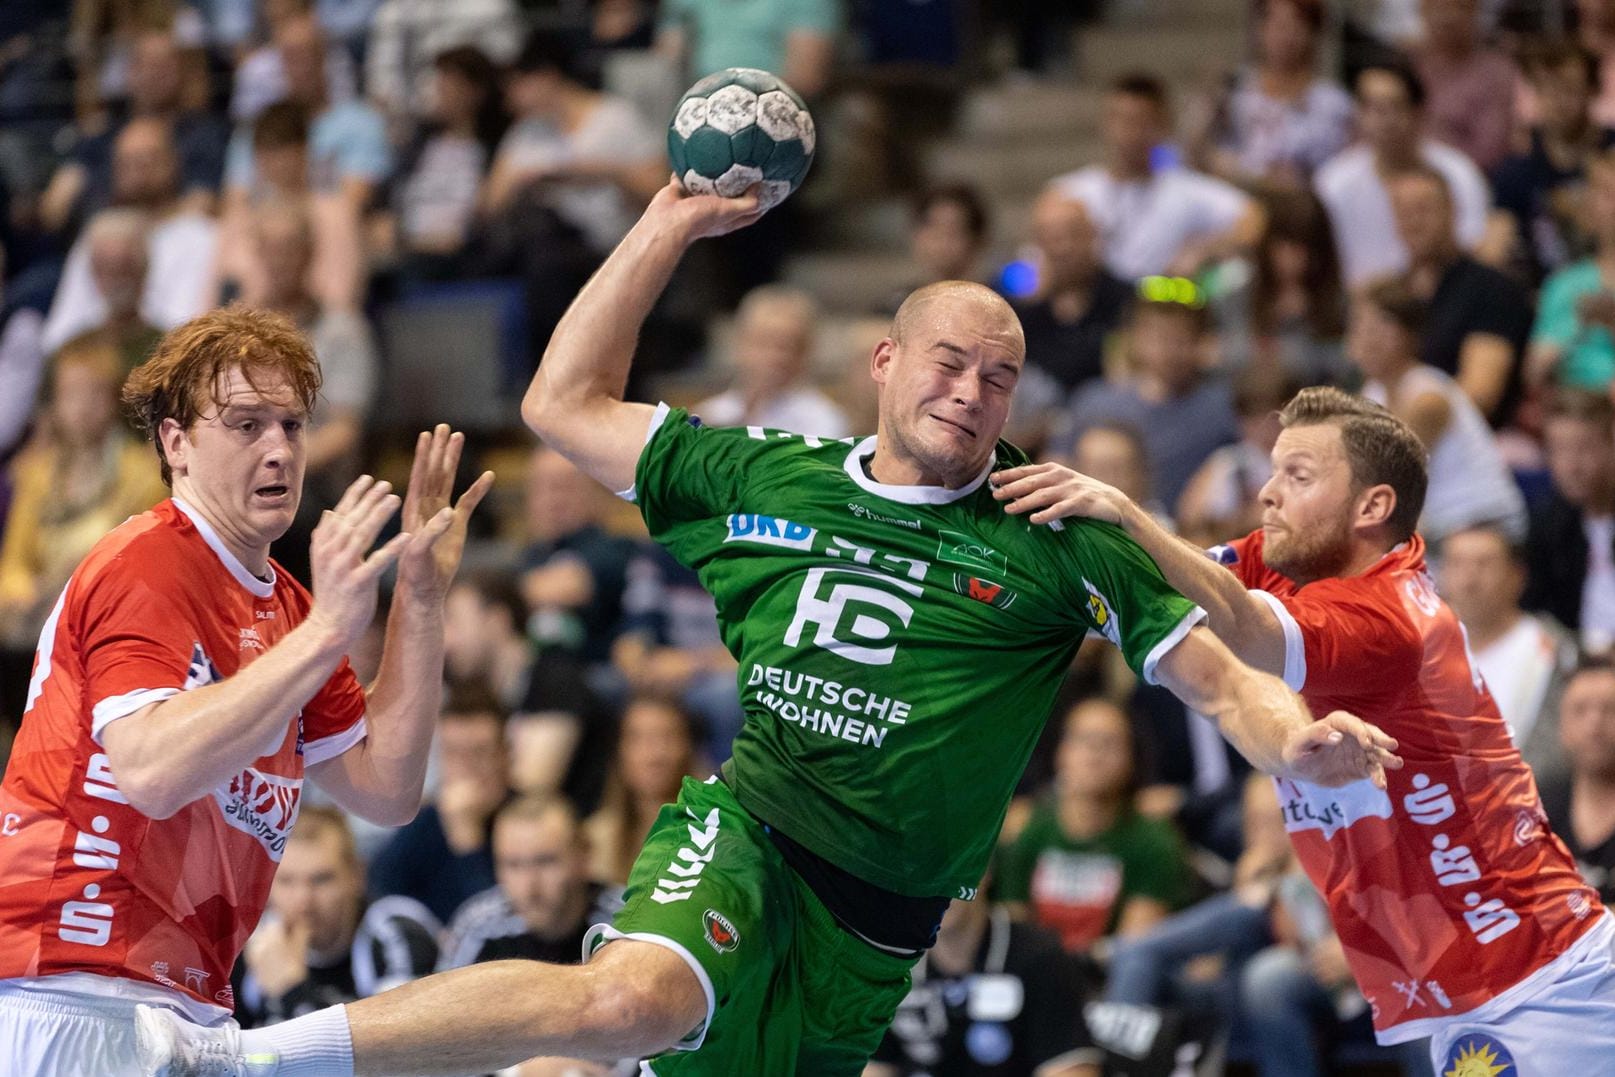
(1375,506)
(175,444)
(880,360)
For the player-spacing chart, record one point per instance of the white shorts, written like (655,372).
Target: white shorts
(1566,1029)
(46,1031)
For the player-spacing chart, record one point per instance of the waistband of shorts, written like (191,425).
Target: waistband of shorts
(67,995)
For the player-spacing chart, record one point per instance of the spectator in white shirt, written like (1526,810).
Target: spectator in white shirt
(407,35)
(1469,482)
(773,341)
(1352,185)
(180,243)
(1155,219)
(1525,658)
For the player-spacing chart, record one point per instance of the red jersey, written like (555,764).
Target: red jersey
(1448,891)
(87,883)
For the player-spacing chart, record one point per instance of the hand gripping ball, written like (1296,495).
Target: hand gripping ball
(738,127)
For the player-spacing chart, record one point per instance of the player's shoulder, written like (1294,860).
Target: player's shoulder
(150,547)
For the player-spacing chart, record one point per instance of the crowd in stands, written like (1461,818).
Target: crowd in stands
(1414,199)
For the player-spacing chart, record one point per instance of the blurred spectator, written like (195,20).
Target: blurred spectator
(484,641)
(1595,31)
(1185,413)
(1571,343)
(441,858)
(795,39)
(670,646)
(1543,190)
(656,751)
(1279,121)
(1572,542)
(1470,484)
(102,36)
(1086,864)
(118,242)
(1581,804)
(82,185)
(262,79)
(572,571)
(179,248)
(1352,185)
(1223,499)
(85,476)
(1114,453)
(347,21)
(1478,319)
(281,174)
(1291,316)
(1153,218)
(544,902)
(22,365)
(948,1027)
(1078,304)
(348,152)
(349,370)
(586,155)
(1471,105)
(772,348)
(440,182)
(947,235)
(1152,969)
(1524,658)
(1297,998)
(405,36)
(321,942)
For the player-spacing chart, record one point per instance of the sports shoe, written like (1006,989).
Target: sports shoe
(169,1046)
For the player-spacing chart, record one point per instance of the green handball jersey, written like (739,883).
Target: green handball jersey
(900,647)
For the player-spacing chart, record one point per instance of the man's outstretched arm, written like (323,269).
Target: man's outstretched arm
(1242,620)
(1268,723)
(575,400)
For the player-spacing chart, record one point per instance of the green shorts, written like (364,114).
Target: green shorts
(788,991)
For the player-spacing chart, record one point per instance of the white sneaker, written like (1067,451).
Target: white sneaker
(170,1046)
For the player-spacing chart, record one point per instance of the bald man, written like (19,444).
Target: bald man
(900,642)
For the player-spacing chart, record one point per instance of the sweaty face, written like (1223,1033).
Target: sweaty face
(1307,504)
(539,866)
(241,463)
(946,387)
(318,887)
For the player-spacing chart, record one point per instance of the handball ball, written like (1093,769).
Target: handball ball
(739,127)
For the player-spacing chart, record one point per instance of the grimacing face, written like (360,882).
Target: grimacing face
(945,388)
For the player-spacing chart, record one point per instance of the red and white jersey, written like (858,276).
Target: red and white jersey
(87,883)
(1448,891)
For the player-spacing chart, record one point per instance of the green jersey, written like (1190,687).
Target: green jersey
(900,646)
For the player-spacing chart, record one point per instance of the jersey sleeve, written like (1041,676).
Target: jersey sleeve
(689,471)
(334,720)
(1342,641)
(138,644)
(1123,596)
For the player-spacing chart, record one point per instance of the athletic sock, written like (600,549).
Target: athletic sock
(317,1045)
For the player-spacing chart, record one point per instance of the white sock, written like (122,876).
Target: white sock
(318,1045)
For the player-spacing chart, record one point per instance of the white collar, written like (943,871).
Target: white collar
(908,495)
(261,588)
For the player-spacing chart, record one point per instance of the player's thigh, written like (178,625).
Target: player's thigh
(710,887)
(45,1039)
(850,989)
(1569,1028)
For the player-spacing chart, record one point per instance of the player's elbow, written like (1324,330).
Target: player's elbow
(391,812)
(151,793)
(634,1016)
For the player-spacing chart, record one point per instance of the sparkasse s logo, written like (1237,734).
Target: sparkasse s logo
(721,934)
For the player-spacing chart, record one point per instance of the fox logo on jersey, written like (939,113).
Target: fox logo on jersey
(721,934)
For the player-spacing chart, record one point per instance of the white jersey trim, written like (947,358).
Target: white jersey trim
(693,1040)
(656,420)
(1600,936)
(120,990)
(318,751)
(261,588)
(47,648)
(908,495)
(1295,645)
(1169,641)
(112,708)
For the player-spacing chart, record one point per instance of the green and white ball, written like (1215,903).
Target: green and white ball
(738,127)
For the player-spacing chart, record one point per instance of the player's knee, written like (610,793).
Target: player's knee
(644,997)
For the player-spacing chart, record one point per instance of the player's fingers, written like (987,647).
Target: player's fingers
(418,470)
(382,559)
(435,528)
(368,523)
(474,494)
(350,497)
